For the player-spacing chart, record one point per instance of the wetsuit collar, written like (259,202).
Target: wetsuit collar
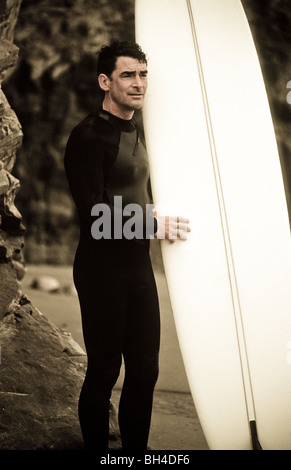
(125,125)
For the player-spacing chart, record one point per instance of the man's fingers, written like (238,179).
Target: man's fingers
(182,235)
(180,226)
(172,227)
(182,220)
(183,227)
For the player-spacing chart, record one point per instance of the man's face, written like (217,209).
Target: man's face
(128,83)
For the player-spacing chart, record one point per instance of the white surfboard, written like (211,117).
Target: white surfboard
(213,158)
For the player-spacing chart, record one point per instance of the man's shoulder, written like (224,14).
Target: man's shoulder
(91,127)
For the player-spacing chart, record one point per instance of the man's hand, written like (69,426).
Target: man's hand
(171,227)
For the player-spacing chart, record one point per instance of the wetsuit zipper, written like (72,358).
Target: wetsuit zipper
(136,143)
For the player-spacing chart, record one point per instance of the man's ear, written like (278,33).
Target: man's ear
(103,81)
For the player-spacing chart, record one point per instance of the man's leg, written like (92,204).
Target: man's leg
(141,353)
(101,376)
(103,315)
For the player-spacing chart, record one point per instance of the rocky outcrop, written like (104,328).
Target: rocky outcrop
(41,376)
(41,368)
(11,228)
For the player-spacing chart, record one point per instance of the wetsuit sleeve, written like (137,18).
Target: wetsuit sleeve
(84,169)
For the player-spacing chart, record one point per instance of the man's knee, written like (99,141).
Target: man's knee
(104,371)
(144,369)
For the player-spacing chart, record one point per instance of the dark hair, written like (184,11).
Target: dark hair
(108,55)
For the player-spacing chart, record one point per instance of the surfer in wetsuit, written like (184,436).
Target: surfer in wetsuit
(105,157)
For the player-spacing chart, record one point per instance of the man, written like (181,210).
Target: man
(105,158)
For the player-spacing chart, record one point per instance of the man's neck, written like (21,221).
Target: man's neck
(114,109)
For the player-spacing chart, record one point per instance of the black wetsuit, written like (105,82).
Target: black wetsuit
(105,157)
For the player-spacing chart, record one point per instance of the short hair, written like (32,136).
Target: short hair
(108,55)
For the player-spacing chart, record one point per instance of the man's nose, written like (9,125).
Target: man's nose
(137,82)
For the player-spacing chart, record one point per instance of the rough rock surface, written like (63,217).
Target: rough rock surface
(41,376)
(11,228)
